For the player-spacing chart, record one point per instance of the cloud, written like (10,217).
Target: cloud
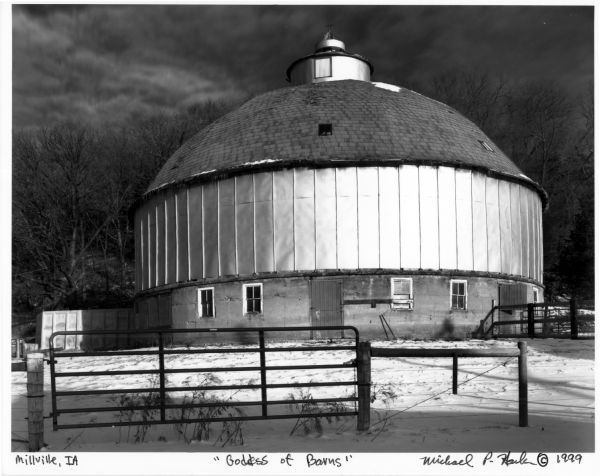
(107,63)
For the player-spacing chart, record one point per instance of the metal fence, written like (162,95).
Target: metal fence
(154,404)
(540,320)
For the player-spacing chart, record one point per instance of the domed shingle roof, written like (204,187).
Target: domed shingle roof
(372,123)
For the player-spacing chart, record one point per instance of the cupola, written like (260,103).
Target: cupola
(329,62)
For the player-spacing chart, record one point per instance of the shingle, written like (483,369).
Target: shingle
(369,124)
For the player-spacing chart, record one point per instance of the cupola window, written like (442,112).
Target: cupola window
(323,67)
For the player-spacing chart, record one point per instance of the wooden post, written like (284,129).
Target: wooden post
(35,400)
(363,370)
(574,330)
(523,383)
(454,374)
(530,323)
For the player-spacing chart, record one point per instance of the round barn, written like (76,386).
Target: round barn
(335,201)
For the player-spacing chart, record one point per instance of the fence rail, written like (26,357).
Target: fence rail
(520,352)
(162,403)
(557,320)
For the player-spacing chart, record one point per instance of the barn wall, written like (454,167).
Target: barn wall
(407,217)
(286,302)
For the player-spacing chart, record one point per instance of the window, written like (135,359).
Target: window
(458,294)
(402,293)
(325,130)
(206,302)
(252,298)
(323,68)
(486,146)
(536,296)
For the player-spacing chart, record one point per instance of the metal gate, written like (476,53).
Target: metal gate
(156,403)
(326,307)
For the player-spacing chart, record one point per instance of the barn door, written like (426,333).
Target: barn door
(509,294)
(326,307)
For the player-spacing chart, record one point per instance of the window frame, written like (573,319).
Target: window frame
(398,305)
(200,311)
(328,58)
(536,295)
(245,286)
(466,305)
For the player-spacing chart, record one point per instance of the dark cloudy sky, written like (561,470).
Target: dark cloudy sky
(117,63)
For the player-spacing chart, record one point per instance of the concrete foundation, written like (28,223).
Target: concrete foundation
(364,298)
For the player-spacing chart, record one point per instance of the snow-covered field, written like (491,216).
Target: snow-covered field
(413,411)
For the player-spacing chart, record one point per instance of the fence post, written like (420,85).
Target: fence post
(574,329)
(263,372)
(35,400)
(530,323)
(363,371)
(454,374)
(161,365)
(523,383)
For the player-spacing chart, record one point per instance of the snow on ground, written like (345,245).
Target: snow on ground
(413,411)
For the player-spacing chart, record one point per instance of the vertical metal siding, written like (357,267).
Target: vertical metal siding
(210,227)
(227,258)
(160,241)
(389,218)
(152,243)
(464,220)
(146,247)
(71,325)
(182,234)
(493,224)
(515,229)
(304,219)
(139,245)
(541,239)
(347,217)
(447,217)
(524,231)
(244,224)
(532,234)
(171,240)
(410,233)
(480,246)
(195,232)
(506,253)
(368,217)
(428,200)
(263,217)
(325,219)
(283,219)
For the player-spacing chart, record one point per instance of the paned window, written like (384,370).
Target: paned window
(536,296)
(252,298)
(458,294)
(402,293)
(322,67)
(206,302)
